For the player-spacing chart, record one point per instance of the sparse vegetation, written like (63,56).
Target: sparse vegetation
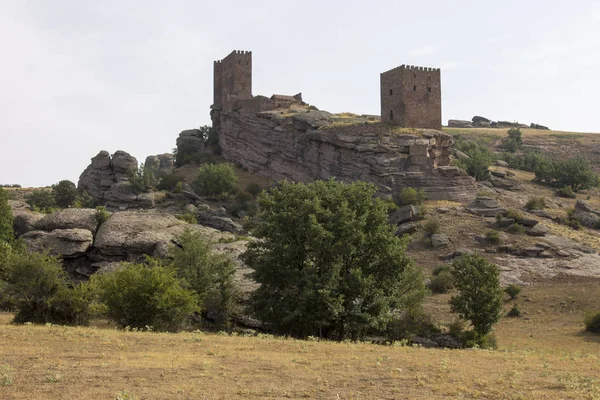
(412,196)
(216,181)
(492,236)
(102,215)
(188,217)
(536,203)
(514,312)
(513,214)
(431,227)
(516,229)
(566,192)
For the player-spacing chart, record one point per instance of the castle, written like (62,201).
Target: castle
(410,96)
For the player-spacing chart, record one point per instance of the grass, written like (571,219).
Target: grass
(546,354)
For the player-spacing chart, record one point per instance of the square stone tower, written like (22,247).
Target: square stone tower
(412,97)
(232,79)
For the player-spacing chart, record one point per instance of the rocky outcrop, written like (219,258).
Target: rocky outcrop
(485,207)
(190,141)
(24,221)
(479,121)
(106,180)
(69,218)
(162,163)
(67,243)
(308,145)
(459,123)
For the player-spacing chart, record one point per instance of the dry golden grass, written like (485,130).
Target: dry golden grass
(545,355)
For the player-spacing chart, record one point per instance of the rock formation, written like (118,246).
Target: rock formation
(106,180)
(161,163)
(300,144)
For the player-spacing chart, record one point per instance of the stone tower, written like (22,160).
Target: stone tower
(232,79)
(411,97)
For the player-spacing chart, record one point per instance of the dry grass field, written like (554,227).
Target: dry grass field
(544,355)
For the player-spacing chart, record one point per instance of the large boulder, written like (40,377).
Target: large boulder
(219,222)
(70,218)
(404,214)
(190,141)
(161,163)
(486,207)
(459,123)
(67,243)
(24,221)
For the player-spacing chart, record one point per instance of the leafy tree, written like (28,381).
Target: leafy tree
(42,200)
(412,196)
(144,179)
(37,286)
(480,158)
(208,273)
(141,296)
(575,172)
(6,218)
(480,296)
(328,261)
(216,180)
(514,141)
(65,194)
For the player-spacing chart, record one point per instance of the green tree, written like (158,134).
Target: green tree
(41,200)
(328,261)
(38,288)
(575,172)
(480,158)
(514,141)
(216,180)
(480,296)
(140,296)
(208,273)
(65,194)
(144,179)
(6,218)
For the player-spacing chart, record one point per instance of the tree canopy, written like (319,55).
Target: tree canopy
(328,261)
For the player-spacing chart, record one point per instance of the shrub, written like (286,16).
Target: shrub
(141,296)
(254,189)
(442,282)
(412,196)
(441,268)
(102,215)
(480,297)
(41,200)
(6,219)
(329,253)
(566,192)
(144,179)
(178,187)
(529,161)
(513,142)
(169,182)
(65,194)
(37,287)
(188,217)
(84,200)
(514,312)
(536,203)
(208,273)
(512,291)
(480,158)
(492,236)
(431,227)
(592,322)
(516,229)
(216,181)
(514,214)
(575,172)
(408,324)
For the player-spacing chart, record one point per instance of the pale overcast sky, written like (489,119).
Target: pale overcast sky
(82,76)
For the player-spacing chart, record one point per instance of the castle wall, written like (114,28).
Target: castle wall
(411,97)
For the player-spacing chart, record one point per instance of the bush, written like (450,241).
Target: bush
(592,322)
(431,227)
(254,189)
(514,214)
(514,312)
(102,215)
(442,282)
(37,287)
(216,181)
(536,203)
(492,236)
(188,217)
(411,196)
(529,161)
(41,200)
(441,268)
(409,324)
(144,179)
(516,229)
(480,158)
(65,194)
(208,273)
(480,295)
(513,142)
(6,219)
(512,291)
(574,172)
(141,296)
(566,192)
(329,253)
(169,182)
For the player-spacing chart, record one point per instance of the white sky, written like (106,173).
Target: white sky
(77,77)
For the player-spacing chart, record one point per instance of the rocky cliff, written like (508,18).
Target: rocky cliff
(303,145)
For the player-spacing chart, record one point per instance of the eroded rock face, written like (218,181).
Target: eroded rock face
(69,218)
(161,163)
(106,180)
(67,243)
(305,147)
